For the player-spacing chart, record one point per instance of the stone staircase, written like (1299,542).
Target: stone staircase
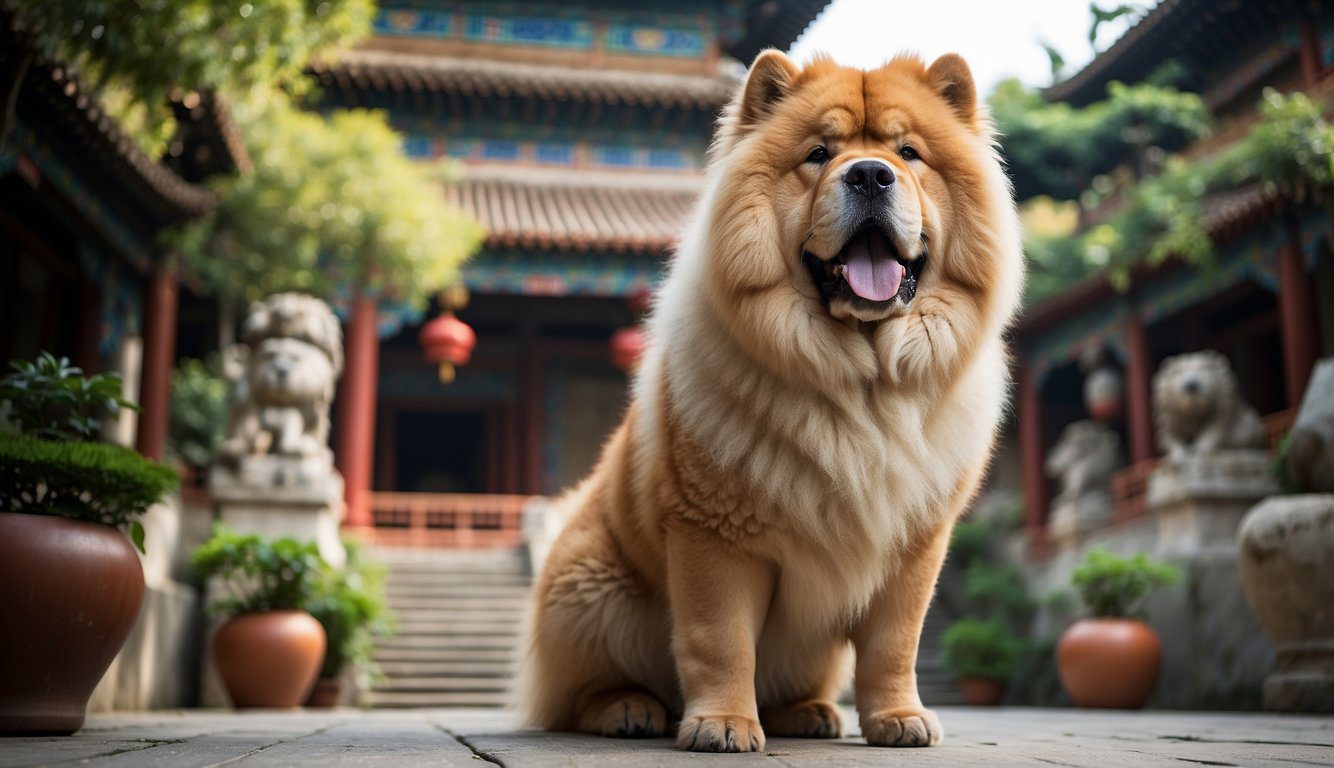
(458,615)
(935,683)
(459,612)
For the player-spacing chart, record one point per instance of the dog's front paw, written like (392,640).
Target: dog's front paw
(720,733)
(902,728)
(624,715)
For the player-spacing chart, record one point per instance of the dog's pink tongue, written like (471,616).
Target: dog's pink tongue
(872,272)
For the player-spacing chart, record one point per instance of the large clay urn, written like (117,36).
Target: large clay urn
(71,594)
(1109,663)
(1285,548)
(269,660)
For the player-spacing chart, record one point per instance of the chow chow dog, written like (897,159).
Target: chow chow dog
(816,406)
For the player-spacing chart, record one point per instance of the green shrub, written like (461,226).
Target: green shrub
(50,399)
(95,482)
(970,541)
(259,574)
(997,590)
(1112,586)
(200,399)
(980,648)
(350,604)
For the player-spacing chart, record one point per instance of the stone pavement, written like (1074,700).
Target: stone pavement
(989,737)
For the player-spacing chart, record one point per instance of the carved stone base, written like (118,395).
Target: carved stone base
(1286,550)
(1198,503)
(1072,519)
(283,496)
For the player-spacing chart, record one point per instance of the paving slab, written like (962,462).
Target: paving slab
(470,737)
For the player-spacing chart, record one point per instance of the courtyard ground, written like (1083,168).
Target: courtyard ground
(988,737)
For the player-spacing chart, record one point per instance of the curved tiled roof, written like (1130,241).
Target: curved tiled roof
(408,72)
(1204,29)
(539,209)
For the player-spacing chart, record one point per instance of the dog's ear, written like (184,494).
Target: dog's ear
(769,81)
(953,80)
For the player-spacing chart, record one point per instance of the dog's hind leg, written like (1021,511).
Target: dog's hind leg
(599,658)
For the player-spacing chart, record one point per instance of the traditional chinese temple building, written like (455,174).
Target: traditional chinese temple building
(82,273)
(1267,302)
(580,131)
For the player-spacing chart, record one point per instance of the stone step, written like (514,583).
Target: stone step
(404,700)
(405,626)
(467,668)
(395,578)
(420,591)
(444,655)
(481,642)
(441,684)
(457,613)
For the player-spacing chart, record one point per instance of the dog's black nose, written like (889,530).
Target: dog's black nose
(869,177)
(1192,386)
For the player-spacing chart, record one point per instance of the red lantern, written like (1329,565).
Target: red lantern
(627,347)
(448,341)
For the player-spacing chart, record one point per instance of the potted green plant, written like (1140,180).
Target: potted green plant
(350,604)
(1112,658)
(73,582)
(200,400)
(269,650)
(981,653)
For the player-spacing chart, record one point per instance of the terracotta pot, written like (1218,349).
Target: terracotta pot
(981,692)
(325,693)
(269,659)
(71,594)
(1109,663)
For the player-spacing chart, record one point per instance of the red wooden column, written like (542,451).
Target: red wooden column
(1031,452)
(160,305)
(1310,55)
(356,410)
(1139,372)
(1297,317)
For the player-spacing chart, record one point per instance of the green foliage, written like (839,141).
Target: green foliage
(50,399)
(95,482)
(1056,149)
(331,205)
(980,648)
(350,604)
(970,541)
(200,398)
(259,574)
(137,53)
(1112,586)
(1290,148)
(997,590)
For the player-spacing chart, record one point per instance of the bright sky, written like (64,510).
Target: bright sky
(999,38)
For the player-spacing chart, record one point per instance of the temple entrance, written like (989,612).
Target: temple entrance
(435,451)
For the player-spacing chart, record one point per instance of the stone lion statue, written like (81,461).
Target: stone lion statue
(284,377)
(1198,409)
(1084,459)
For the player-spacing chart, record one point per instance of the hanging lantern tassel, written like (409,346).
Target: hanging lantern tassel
(446,373)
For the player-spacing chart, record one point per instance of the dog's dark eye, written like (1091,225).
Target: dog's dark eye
(908,153)
(818,155)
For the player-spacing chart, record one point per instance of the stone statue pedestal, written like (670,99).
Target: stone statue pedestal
(1198,502)
(1286,547)
(1072,519)
(277,496)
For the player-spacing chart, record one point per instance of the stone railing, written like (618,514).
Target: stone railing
(1130,491)
(446,520)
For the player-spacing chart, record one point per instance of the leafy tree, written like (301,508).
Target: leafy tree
(332,206)
(137,52)
(1056,149)
(200,400)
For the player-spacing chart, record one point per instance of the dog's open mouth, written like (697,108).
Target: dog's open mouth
(868,270)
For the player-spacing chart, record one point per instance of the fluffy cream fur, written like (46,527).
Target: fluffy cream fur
(786,478)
